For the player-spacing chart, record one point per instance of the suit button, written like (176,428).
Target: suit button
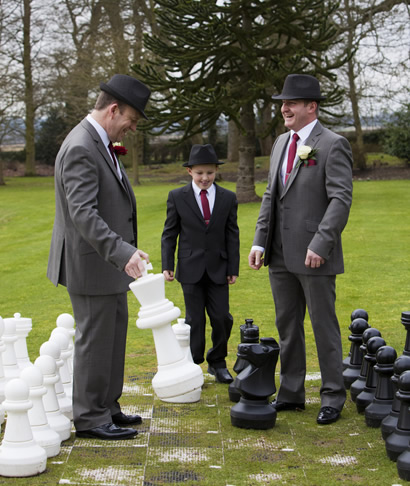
(129,220)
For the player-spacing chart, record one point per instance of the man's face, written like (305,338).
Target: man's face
(298,113)
(121,121)
(203,175)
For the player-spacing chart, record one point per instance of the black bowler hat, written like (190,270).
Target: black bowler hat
(202,154)
(300,87)
(129,90)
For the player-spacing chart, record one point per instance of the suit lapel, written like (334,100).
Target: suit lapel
(190,200)
(218,205)
(311,141)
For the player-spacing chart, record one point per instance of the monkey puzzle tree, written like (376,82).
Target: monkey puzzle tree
(211,59)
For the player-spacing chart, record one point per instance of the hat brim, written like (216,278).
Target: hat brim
(293,97)
(113,92)
(191,164)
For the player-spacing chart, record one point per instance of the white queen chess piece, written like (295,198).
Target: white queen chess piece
(20,455)
(178,379)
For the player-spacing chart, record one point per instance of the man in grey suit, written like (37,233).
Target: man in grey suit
(303,213)
(94,254)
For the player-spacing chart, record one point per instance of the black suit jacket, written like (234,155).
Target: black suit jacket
(213,247)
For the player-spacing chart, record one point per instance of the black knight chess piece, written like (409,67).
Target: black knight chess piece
(256,383)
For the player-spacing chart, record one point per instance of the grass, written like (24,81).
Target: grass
(377,260)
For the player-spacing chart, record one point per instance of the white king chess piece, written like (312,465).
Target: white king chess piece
(178,379)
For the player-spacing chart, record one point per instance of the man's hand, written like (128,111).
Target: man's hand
(255,259)
(313,260)
(169,275)
(135,265)
(231,279)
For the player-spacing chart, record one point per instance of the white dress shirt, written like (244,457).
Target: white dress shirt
(210,195)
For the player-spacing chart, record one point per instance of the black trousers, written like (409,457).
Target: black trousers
(213,298)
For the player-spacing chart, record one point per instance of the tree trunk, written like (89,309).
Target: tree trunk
(137,154)
(2,182)
(233,142)
(245,183)
(28,91)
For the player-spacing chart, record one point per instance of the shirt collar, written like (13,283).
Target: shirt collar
(305,131)
(100,130)
(197,190)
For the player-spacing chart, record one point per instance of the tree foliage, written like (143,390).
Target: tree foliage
(212,59)
(397,135)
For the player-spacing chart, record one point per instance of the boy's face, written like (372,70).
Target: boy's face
(203,175)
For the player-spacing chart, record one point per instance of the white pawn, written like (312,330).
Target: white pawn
(23,326)
(20,456)
(182,332)
(43,434)
(2,378)
(67,322)
(52,348)
(62,337)
(10,367)
(57,420)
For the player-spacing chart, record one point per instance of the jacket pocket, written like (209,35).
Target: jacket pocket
(184,253)
(312,226)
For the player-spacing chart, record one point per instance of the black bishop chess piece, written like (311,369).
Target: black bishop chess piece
(366,396)
(353,367)
(249,333)
(356,314)
(382,402)
(358,385)
(256,383)
(399,439)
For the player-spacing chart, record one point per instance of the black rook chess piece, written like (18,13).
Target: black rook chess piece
(398,440)
(352,370)
(249,334)
(256,383)
(365,397)
(381,405)
(358,385)
(356,314)
(405,320)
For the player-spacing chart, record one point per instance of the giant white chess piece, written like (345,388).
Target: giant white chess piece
(23,326)
(10,367)
(178,379)
(2,377)
(66,321)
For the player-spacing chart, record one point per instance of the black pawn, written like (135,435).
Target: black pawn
(381,405)
(352,370)
(365,397)
(357,313)
(405,320)
(249,334)
(358,385)
(398,440)
(256,383)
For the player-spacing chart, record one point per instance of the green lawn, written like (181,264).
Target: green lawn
(377,261)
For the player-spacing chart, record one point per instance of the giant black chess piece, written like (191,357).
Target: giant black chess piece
(249,333)
(381,405)
(353,367)
(366,396)
(358,385)
(256,383)
(399,439)
(405,320)
(356,314)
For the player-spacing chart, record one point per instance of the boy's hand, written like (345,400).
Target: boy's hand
(231,279)
(169,275)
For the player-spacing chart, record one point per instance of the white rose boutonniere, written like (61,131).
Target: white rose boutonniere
(307,155)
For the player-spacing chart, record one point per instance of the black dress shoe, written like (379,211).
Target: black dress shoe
(108,431)
(222,375)
(122,419)
(281,406)
(327,415)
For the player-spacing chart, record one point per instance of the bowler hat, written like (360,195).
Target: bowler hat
(129,90)
(300,87)
(202,154)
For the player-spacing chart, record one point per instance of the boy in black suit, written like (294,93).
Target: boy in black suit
(203,216)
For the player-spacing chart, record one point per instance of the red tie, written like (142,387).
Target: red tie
(205,206)
(114,158)
(291,155)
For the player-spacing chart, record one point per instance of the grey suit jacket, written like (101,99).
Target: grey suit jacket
(94,232)
(213,247)
(314,205)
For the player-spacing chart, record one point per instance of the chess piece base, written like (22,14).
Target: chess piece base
(253,414)
(20,462)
